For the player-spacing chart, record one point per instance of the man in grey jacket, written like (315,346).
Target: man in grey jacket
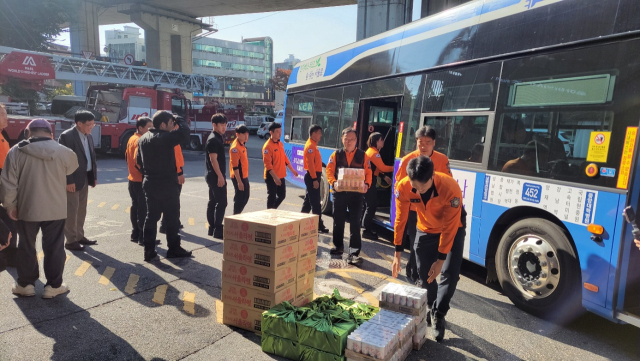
(34,181)
(79,140)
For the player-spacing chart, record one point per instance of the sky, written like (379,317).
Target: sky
(304,33)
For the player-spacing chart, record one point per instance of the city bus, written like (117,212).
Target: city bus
(537,105)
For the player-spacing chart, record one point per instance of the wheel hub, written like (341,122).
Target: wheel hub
(534,266)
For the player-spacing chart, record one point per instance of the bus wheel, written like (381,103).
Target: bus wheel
(194,143)
(326,205)
(539,271)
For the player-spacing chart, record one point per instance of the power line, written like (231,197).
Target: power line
(272,14)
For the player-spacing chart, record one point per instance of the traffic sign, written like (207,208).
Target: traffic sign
(87,54)
(128,59)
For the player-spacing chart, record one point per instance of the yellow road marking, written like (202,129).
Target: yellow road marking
(189,302)
(206,225)
(83,268)
(368,296)
(131,284)
(161,292)
(89,201)
(67,260)
(115,206)
(101,204)
(292,204)
(128,210)
(385,257)
(220,310)
(106,276)
(363,255)
(192,221)
(40,256)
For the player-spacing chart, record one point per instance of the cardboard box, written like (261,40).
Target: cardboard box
(303,298)
(263,257)
(308,221)
(258,278)
(255,299)
(306,268)
(305,284)
(307,247)
(264,228)
(249,319)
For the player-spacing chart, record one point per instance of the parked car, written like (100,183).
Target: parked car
(253,122)
(263,131)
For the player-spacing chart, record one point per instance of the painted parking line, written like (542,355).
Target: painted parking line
(83,268)
(106,276)
(67,260)
(131,284)
(385,257)
(115,206)
(90,201)
(192,222)
(101,204)
(128,210)
(40,255)
(189,300)
(368,296)
(160,294)
(220,310)
(206,225)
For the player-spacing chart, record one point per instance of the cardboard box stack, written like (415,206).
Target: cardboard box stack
(261,255)
(351,180)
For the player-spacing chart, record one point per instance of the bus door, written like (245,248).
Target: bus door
(382,116)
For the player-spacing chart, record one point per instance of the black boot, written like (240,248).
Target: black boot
(428,317)
(440,323)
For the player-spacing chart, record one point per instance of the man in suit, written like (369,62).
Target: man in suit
(80,141)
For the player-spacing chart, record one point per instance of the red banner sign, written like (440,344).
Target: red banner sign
(27,66)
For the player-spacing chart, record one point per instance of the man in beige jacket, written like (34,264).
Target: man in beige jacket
(34,186)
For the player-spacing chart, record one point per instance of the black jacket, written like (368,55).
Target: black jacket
(70,138)
(156,155)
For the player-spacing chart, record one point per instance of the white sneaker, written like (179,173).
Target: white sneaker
(50,292)
(26,291)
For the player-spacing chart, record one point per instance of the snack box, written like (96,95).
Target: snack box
(308,221)
(304,298)
(255,299)
(306,268)
(259,278)
(246,318)
(307,247)
(263,228)
(305,284)
(263,257)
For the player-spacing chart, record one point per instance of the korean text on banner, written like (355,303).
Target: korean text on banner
(627,157)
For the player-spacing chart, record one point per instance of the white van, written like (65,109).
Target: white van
(253,122)
(279,116)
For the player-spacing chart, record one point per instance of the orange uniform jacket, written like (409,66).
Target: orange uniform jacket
(441,214)
(312,159)
(331,168)
(374,157)
(440,164)
(179,160)
(274,158)
(130,155)
(4,149)
(238,160)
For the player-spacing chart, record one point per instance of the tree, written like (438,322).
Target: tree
(281,79)
(32,24)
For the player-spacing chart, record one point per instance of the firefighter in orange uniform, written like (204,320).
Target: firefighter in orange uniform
(378,169)
(439,242)
(425,142)
(239,169)
(138,211)
(275,166)
(11,249)
(313,165)
(348,157)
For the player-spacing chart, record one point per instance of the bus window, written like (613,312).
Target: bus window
(460,137)
(326,113)
(300,129)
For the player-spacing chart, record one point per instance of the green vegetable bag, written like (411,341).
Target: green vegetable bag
(326,332)
(281,320)
(280,346)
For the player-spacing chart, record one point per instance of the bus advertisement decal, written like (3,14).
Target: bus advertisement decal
(627,157)
(569,204)
(399,143)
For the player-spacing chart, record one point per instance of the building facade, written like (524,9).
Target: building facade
(287,64)
(243,70)
(119,43)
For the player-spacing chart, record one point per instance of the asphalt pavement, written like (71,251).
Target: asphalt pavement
(121,308)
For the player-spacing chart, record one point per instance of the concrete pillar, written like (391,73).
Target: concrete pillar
(378,16)
(430,7)
(84,35)
(168,41)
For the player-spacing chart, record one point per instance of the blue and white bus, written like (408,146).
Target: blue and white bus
(537,105)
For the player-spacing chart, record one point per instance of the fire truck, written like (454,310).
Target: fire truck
(116,108)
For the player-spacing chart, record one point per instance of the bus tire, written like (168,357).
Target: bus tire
(539,271)
(326,205)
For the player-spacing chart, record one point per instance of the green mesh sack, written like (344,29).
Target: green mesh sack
(311,354)
(281,320)
(280,346)
(326,332)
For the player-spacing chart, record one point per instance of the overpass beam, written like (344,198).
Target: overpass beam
(378,16)
(84,34)
(167,36)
